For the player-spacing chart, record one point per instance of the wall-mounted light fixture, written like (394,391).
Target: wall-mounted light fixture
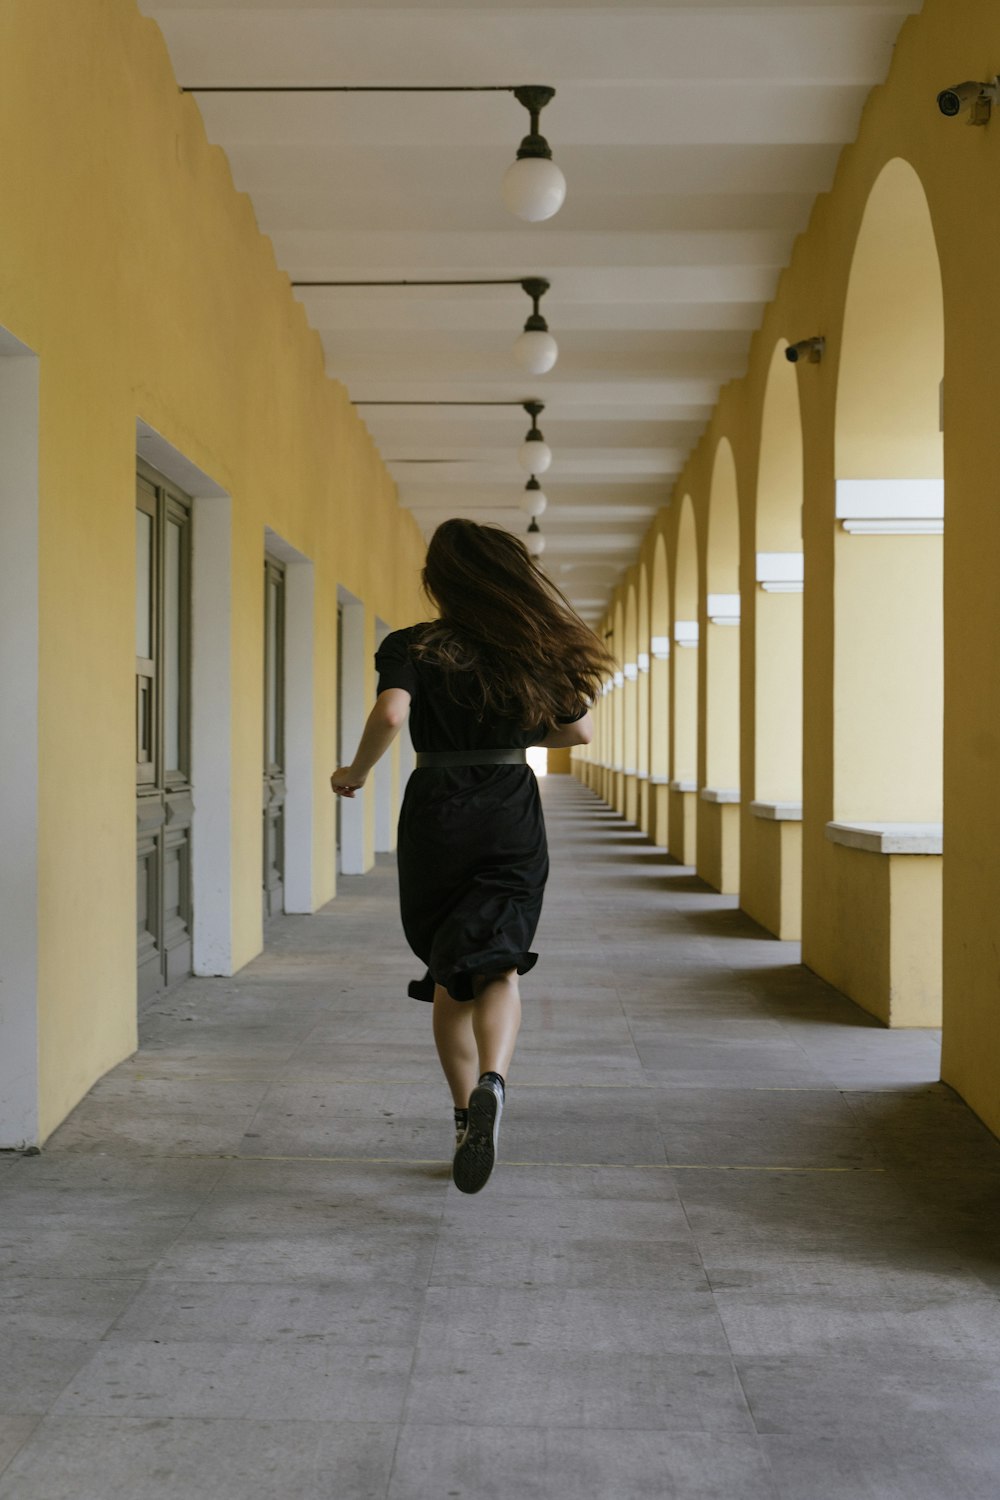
(534,500)
(811,350)
(533,187)
(978,98)
(536,351)
(534,541)
(534,454)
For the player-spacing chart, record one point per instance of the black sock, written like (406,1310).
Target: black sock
(494,1078)
(461,1118)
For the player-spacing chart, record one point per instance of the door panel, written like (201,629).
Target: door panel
(274,739)
(164,805)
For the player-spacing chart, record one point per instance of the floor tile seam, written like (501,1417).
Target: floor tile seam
(695,1241)
(716,1431)
(417,1161)
(38,1419)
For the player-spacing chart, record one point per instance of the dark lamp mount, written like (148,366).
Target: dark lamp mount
(534,527)
(534,410)
(536,287)
(534,97)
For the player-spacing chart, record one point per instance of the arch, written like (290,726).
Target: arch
(888,673)
(721,750)
(892,339)
(723,524)
(777,748)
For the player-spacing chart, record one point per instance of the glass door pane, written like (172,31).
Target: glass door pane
(172,642)
(273,706)
(143,584)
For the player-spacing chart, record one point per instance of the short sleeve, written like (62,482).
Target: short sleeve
(394,666)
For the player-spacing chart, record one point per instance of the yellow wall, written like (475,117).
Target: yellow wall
(136,272)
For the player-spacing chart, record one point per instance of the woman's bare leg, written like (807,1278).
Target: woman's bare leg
(456,1045)
(496,1020)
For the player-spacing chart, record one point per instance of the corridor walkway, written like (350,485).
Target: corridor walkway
(740,1245)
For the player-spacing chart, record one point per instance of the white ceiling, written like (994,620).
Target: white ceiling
(694,138)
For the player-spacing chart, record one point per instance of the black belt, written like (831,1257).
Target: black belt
(471,758)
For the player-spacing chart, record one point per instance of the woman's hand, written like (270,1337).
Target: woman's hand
(346,781)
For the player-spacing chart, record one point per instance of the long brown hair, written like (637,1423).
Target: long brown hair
(509,640)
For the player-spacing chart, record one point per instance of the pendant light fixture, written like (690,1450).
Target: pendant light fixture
(536,351)
(535,542)
(533,186)
(534,454)
(534,500)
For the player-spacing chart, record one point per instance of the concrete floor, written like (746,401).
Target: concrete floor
(740,1244)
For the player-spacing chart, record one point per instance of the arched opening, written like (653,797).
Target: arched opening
(642,698)
(630,703)
(888,679)
(888,683)
(659,665)
(684,690)
(722,634)
(618,709)
(719,766)
(777,774)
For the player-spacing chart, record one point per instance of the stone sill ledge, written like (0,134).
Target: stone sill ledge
(888,838)
(683,786)
(778,812)
(659,780)
(724,795)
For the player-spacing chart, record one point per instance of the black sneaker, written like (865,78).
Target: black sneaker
(477,1150)
(461,1125)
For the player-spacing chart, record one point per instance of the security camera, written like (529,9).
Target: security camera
(977,98)
(809,349)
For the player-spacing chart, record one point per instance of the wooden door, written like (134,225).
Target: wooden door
(274,738)
(164,804)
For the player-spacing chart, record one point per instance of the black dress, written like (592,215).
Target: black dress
(472,856)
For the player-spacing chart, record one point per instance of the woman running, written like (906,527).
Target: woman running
(506,665)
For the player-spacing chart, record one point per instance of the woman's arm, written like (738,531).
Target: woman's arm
(580,732)
(384,723)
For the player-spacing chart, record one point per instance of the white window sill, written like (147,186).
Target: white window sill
(888,838)
(659,780)
(778,812)
(720,794)
(683,786)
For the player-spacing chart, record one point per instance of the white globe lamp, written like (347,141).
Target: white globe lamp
(534,455)
(534,189)
(534,541)
(534,500)
(536,351)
